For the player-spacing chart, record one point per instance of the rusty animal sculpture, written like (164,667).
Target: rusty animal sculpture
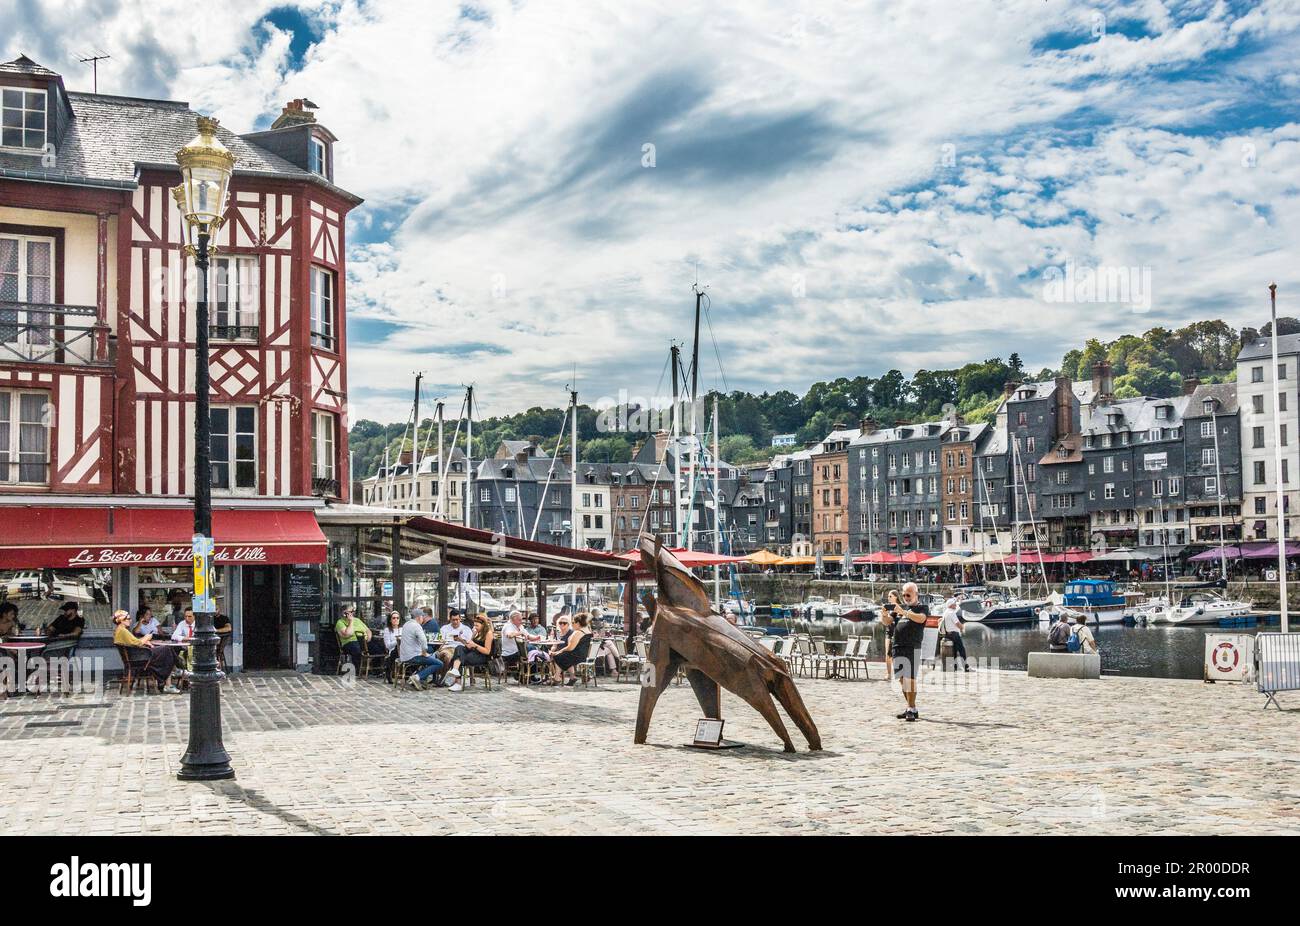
(688,636)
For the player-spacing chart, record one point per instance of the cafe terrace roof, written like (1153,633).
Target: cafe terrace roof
(484,551)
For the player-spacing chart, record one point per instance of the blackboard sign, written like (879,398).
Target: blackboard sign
(306,598)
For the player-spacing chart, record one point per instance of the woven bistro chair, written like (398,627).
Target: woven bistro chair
(131,674)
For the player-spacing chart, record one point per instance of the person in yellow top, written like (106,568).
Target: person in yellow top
(353,634)
(145,655)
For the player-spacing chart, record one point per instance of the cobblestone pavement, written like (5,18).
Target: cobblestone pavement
(316,755)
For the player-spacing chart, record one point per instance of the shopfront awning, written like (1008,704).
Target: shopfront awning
(36,537)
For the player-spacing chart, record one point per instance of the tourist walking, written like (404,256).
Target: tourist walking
(909,616)
(952,626)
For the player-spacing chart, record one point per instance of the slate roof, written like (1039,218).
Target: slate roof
(1262,348)
(1226,393)
(110,139)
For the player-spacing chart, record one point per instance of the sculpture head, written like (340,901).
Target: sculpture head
(677,587)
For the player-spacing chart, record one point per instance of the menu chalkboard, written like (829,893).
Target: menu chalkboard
(306,598)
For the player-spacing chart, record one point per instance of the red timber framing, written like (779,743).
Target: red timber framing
(275,370)
(80,404)
(124,424)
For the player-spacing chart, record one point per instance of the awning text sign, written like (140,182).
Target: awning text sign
(162,556)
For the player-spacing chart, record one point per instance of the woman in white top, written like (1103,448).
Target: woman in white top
(392,631)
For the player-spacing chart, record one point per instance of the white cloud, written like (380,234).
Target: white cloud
(501,158)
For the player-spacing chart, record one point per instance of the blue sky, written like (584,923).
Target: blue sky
(861,185)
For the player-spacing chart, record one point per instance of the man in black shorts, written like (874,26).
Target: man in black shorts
(909,630)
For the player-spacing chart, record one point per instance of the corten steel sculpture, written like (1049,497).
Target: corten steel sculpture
(688,636)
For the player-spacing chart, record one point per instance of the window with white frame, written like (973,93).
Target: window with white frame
(324,438)
(1175,485)
(1207,429)
(26,275)
(322,308)
(233,299)
(24,437)
(22,118)
(234,448)
(1211,486)
(319,158)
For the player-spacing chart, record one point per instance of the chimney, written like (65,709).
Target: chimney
(869,425)
(295,112)
(522,457)
(838,426)
(1009,387)
(404,458)
(1103,381)
(1064,406)
(661,445)
(1190,383)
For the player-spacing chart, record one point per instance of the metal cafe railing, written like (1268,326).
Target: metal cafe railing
(233,326)
(43,332)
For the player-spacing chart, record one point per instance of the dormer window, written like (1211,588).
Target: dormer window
(318,158)
(22,119)
(1208,406)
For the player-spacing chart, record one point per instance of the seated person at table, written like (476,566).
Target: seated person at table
(411,650)
(475,652)
(353,634)
(514,639)
(184,633)
(9,623)
(145,622)
(69,624)
(152,659)
(455,631)
(392,631)
(536,629)
(577,645)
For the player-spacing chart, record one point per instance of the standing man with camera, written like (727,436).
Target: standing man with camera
(909,628)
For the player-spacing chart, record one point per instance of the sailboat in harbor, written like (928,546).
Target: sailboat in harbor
(1008,605)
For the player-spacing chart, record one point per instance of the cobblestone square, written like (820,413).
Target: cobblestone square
(317,755)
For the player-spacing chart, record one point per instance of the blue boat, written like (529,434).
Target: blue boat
(1097,598)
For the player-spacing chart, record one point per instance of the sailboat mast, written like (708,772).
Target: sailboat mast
(674,362)
(442,469)
(573,471)
(1218,487)
(469,456)
(717,512)
(415,447)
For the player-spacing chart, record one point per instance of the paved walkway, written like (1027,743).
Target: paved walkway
(314,755)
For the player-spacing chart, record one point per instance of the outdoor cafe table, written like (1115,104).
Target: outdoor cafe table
(839,643)
(21,649)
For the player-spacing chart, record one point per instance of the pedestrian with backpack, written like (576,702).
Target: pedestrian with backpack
(1058,637)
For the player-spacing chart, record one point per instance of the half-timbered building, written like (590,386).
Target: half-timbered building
(97,356)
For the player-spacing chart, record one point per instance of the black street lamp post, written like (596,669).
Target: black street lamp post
(206,167)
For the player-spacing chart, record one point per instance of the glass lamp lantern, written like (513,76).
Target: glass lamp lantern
(206,165)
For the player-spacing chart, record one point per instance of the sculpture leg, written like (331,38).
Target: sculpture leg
(753,689)
(785,691)
(706,692)
(664,667)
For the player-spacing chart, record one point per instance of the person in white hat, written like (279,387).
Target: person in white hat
(952,625)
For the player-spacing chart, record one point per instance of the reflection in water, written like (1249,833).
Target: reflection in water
(1153,652)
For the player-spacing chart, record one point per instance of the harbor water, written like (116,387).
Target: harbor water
(1152,651)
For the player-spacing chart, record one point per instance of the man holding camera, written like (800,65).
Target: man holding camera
(909,617)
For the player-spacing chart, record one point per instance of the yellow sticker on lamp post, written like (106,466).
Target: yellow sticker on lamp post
(204,597)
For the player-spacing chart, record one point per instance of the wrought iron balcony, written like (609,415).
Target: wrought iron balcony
(326,488)
(233,326)
(43,332)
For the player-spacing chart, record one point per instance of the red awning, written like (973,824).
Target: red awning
(58,538)
(880,557)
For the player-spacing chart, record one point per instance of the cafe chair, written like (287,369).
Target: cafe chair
(586,670)
(131,674)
